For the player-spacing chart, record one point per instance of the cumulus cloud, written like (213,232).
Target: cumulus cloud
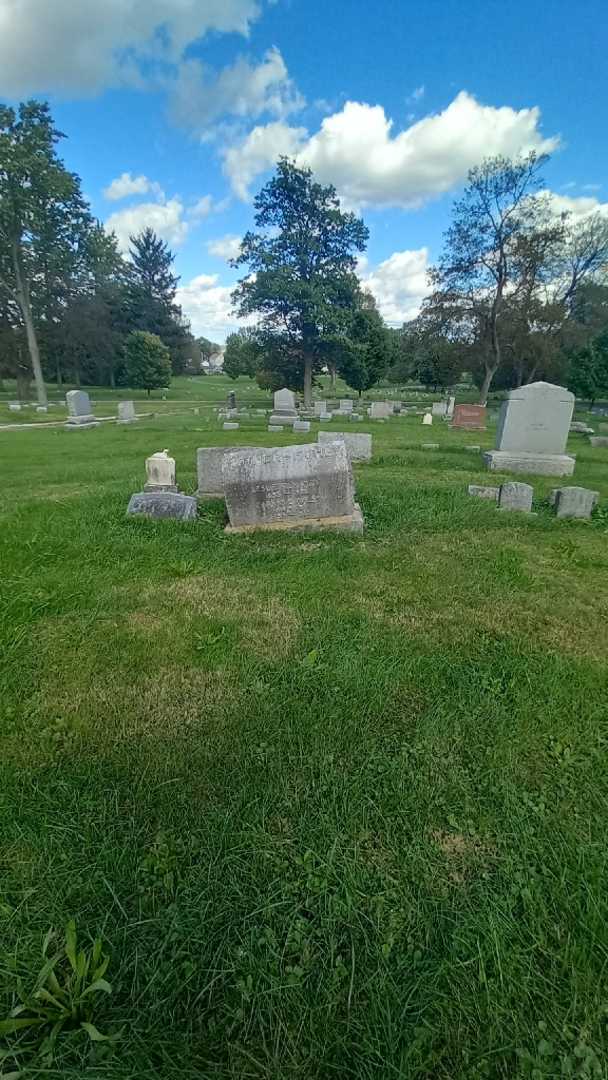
(202,208)
(82,47)
(258,152)
(225,247)
(200,95)
(167,220)
(577,207)
(207,304)
(398,284)
(126,184)
(357,150)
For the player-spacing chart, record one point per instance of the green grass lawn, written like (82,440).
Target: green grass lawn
(336,805)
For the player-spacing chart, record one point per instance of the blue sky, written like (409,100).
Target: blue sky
(176,109)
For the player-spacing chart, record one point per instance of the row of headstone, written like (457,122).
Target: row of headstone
(569,502)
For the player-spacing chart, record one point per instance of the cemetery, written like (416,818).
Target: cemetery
(303,546)
(374,729)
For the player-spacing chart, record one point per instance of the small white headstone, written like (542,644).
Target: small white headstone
(427,419)
(160,472)
(126,412)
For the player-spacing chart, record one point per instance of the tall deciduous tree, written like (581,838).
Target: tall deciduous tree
(43,217)
(301,265)
(479,268)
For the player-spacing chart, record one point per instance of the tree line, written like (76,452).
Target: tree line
(71,307)
(518,293)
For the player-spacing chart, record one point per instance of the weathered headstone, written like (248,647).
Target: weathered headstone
(574,502)
(275,427)
(598,440)
(470,417)
(346,405)
(231,400)
(126,412)
(380,410)
(160,472)
(160,497)
(514,496)
(230,425)
(483,491)
(284,411)
(79,410)
(294,487)
(533,429)
(427,419)
(358,446)
(439,408)
(209,470)
(320,408)
(163,504)
(301,425)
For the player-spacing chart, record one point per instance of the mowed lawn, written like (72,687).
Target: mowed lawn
(337,805)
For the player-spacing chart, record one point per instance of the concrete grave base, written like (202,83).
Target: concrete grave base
(81,422)
(349,523)
(163,504)
(539,464)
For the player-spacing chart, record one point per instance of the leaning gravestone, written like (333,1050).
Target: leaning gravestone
(358,446)
(79,409)
(126,412)
(574,502)
(160,497)
(284,411)
(300,488)
(533,429)
(209,470)
(469,417)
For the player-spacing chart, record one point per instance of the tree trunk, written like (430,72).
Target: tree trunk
(485,386)
(58,375)
(307,381)
(332,379)
(23,298)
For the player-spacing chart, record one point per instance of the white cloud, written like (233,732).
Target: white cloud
(258,152)
(577,207)
(225,247)
(202,208)
(126,184)
(356,150)
(166,219)
(81,47)
(398,284)
(200,95)
(207,304)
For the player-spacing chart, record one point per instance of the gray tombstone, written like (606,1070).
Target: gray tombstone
(439,408)
(230,425)
(320,408)
(574,502)
(275,427)
(483,491)
(209,470)
(284,411)
(514,496)
(79,410)
(380,410)
(300,488)
(598,440)
(163,504)
(358,446)
(346,405)
(126,412)
(533,429)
